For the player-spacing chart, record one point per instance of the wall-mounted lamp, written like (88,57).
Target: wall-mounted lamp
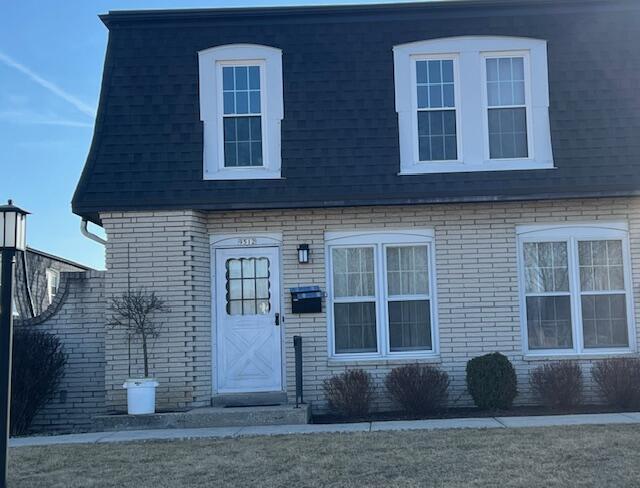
(303,253)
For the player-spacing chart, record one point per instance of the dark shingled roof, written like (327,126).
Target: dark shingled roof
(340,129)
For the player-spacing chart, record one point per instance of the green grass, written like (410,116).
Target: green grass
(595,456)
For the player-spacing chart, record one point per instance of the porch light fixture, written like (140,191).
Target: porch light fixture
(303,253)
(13,238)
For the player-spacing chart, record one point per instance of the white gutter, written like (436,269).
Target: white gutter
(85,232)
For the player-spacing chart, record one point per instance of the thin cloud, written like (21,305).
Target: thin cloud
(52,87)
(32,118)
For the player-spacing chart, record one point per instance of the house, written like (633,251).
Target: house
(37,281)
(464,176)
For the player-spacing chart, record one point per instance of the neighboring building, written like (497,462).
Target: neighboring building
(37,280)
(466,175)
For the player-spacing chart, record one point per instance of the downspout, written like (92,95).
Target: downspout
(85,232)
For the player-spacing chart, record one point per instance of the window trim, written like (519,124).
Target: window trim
(456,106)
(572,233)
(527,105)
(380,239)
(210,63)
(474,148)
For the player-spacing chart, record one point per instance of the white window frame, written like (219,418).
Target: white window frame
(210,63)
(456,105)
(571,233)
(380,240)
(471,52)
(51,275)
(526,106)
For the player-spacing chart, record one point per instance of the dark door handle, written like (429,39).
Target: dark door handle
(277,318)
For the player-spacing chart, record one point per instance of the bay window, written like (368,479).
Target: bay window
(575,288)
(380,292)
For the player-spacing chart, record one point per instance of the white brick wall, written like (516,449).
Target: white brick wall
(165,252)
(79,324)
(476,273)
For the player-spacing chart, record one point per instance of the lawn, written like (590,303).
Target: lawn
(551,456)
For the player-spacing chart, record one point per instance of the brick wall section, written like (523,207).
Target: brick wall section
(476,272)
(78,322)
(165,252)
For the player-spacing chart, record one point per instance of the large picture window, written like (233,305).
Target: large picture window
(575,288)
(381,290)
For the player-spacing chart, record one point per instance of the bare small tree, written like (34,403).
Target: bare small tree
(134,311)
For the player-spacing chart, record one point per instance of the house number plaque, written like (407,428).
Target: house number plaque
(247,241)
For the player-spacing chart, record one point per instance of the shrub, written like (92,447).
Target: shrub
(349,394)
(418,389)
(491,381)
(558,384)
(38,367)
(619,381)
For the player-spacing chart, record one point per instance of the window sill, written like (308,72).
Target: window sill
(243,174)
(383,361)
(549,356)
(456,167)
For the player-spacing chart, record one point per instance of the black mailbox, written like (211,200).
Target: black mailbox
(306,299)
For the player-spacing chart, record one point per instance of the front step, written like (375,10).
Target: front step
(249,399)
(207,417)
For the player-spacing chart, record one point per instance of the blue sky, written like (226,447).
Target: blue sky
(51,56)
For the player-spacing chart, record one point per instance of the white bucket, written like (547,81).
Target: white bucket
(141,396)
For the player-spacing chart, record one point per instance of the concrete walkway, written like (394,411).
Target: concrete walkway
(266,430)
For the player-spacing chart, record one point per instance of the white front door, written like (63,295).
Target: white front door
(249,341)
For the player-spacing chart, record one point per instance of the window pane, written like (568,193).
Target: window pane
(246,294)
(604,321)
(507,133)
(353,272)
(242,141)
(407,271)
(254,77)
(227,78)
(505,81)
(355,327)
(435,83)
(546,267)
(437,135)
(241,89)
(409,325)
(601,266)
(549,322)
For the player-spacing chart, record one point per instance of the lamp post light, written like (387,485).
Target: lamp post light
(13,225)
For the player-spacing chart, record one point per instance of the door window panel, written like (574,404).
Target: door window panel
(248,286)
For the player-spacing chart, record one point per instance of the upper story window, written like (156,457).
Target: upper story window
(241,108)
(575,287)
(472,104)
(53,283)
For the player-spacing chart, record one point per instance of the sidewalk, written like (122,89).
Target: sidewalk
(266,430)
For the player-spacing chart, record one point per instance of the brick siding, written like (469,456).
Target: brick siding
(476,278)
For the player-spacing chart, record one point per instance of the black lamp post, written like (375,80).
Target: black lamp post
(13,226)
